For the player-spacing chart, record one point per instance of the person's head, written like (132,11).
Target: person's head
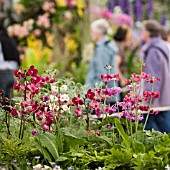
(150,29)
(123,34)
(99,29)
(164,33)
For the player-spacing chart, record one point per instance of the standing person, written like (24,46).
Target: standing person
(156,58)
(123,38)
(104,54)
(9,61)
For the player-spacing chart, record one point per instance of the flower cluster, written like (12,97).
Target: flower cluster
(43,20)
(95,99)
(117,18)
(132,105)
(120,19)
(21,30)
(46,106)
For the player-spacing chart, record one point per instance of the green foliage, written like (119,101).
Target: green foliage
(122,133)
(48,141)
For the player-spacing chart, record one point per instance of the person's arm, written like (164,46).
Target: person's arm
(153,66)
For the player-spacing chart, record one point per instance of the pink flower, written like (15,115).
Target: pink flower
(34,133)
(92,132)
(107,14)
(37,32)
(52,80)
(24,104)
(44,126)
(78,111)
(17,86)
(33,89)
(48,5)
(94,104)
(155,95)
(32,71)
(43,20)
(19,73)
(120,19)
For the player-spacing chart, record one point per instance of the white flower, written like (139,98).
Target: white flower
(65,107)
(37,167)
(54,88)
(46,168)
(53,98)
(63,87)
(64,97)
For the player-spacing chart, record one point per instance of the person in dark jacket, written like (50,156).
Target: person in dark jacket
(9,61)
(156,58)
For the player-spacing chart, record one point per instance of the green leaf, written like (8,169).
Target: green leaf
(122,133)
(61,159)
(48,140)
(138,147)
(106,139)
(43,151)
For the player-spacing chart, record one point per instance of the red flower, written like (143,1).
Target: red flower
(78,111)
(32,71)
(77,101)
(146,94)
(19,73)
(17,86)
(90,95)
(155,94)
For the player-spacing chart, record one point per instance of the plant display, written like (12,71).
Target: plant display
(58,124)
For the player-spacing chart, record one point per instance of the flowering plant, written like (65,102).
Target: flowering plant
(64,120)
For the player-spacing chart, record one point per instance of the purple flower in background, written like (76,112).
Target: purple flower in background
(163,18)
(111,4)
(138,10)
(34,133)
(150,9)
(124,6)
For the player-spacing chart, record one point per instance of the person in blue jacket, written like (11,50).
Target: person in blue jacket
(104,54)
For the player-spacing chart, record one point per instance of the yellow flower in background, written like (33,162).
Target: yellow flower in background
(80,12)
(80,4)
(71,45)
(36,53)
(80,7)
(49,38)
(61,3)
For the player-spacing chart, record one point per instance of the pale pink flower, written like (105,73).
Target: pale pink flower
(43,20)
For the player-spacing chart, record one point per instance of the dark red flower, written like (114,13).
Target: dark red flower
(17,86)
(32,71)
(155,94)
(18,73)
(77,101)
(90,95)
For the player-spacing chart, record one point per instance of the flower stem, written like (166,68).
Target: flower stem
(150,104)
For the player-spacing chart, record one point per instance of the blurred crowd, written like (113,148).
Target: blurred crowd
(153,48)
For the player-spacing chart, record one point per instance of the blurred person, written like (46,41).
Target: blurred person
(156,58)
(9,61)
(104,53)
(123,38)
(165,34)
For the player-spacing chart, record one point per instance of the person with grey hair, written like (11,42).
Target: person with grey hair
(156,59)
(104,54)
